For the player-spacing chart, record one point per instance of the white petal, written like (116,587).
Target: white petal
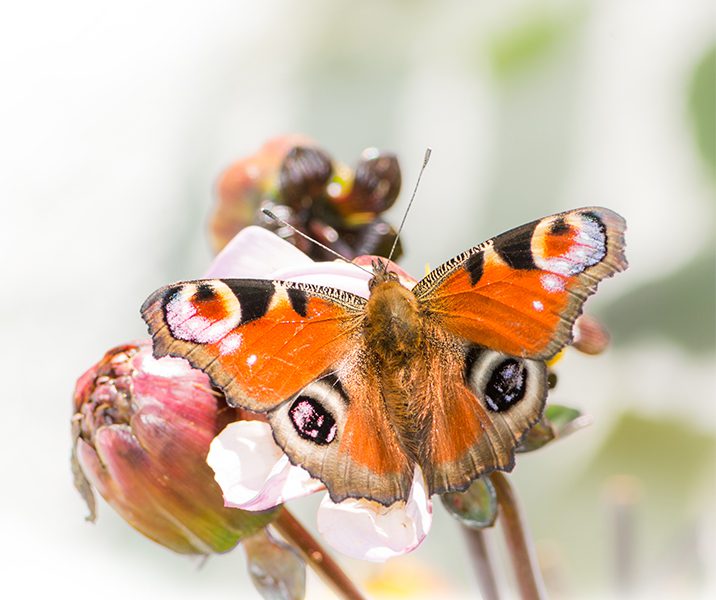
(255,252)
(369,531)
(252,471)
(335,274)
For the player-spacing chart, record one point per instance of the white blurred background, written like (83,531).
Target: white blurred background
(116,119)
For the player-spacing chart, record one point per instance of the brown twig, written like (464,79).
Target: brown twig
(314,554)
(519,545)
(482,563)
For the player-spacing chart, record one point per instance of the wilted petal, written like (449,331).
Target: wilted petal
(82,484)
(94,474)
(255,252)
(275,568)
(369,531)
(252,471)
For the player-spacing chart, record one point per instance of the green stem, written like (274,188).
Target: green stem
(314,554)
(519,544)
(482,562)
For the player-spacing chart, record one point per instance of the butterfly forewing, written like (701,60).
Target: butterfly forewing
(521,292)
(259,341)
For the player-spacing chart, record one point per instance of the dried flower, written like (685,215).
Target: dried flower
(297,180)
(142,428)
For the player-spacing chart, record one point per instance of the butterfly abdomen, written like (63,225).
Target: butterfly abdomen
(394,332)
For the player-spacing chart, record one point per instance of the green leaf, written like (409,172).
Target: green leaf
(557,421)
(565,420)
(540,435)
(476,507)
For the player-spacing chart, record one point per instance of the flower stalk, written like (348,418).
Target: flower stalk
(315,556)
(519,544)
(482,562)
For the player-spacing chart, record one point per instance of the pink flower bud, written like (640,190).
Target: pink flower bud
(142,428)
(590,336)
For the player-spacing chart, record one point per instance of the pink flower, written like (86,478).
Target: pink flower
(254,473)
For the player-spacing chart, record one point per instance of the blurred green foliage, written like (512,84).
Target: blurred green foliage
(678,307)
(702,107)
(663,467)
(670,459)
(529,40)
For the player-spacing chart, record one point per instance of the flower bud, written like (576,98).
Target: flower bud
(590,336)
(141,431)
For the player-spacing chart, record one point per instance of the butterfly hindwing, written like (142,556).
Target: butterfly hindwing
(259,341)
(336,428)
(481,402)
(520,293)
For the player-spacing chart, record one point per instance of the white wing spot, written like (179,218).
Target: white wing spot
(552,283)
(251,360)
(538,305)
(230,343)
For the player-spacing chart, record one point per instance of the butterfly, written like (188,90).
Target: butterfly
(447,376)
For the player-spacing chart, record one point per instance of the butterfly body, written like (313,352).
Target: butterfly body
(447,376)
(393,325)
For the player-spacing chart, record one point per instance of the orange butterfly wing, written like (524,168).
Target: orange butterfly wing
(280,348)
(337,429)
(509,303)
(481,403)
(259,341)
(521,292)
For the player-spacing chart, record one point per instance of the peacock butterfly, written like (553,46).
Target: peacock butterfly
(448,375)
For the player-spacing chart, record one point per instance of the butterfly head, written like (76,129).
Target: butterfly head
(381,273)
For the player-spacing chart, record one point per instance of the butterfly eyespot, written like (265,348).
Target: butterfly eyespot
(504,382)
(507,385)
(312,421)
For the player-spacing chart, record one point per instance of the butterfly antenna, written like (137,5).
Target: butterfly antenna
(280,221)
(428,152)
